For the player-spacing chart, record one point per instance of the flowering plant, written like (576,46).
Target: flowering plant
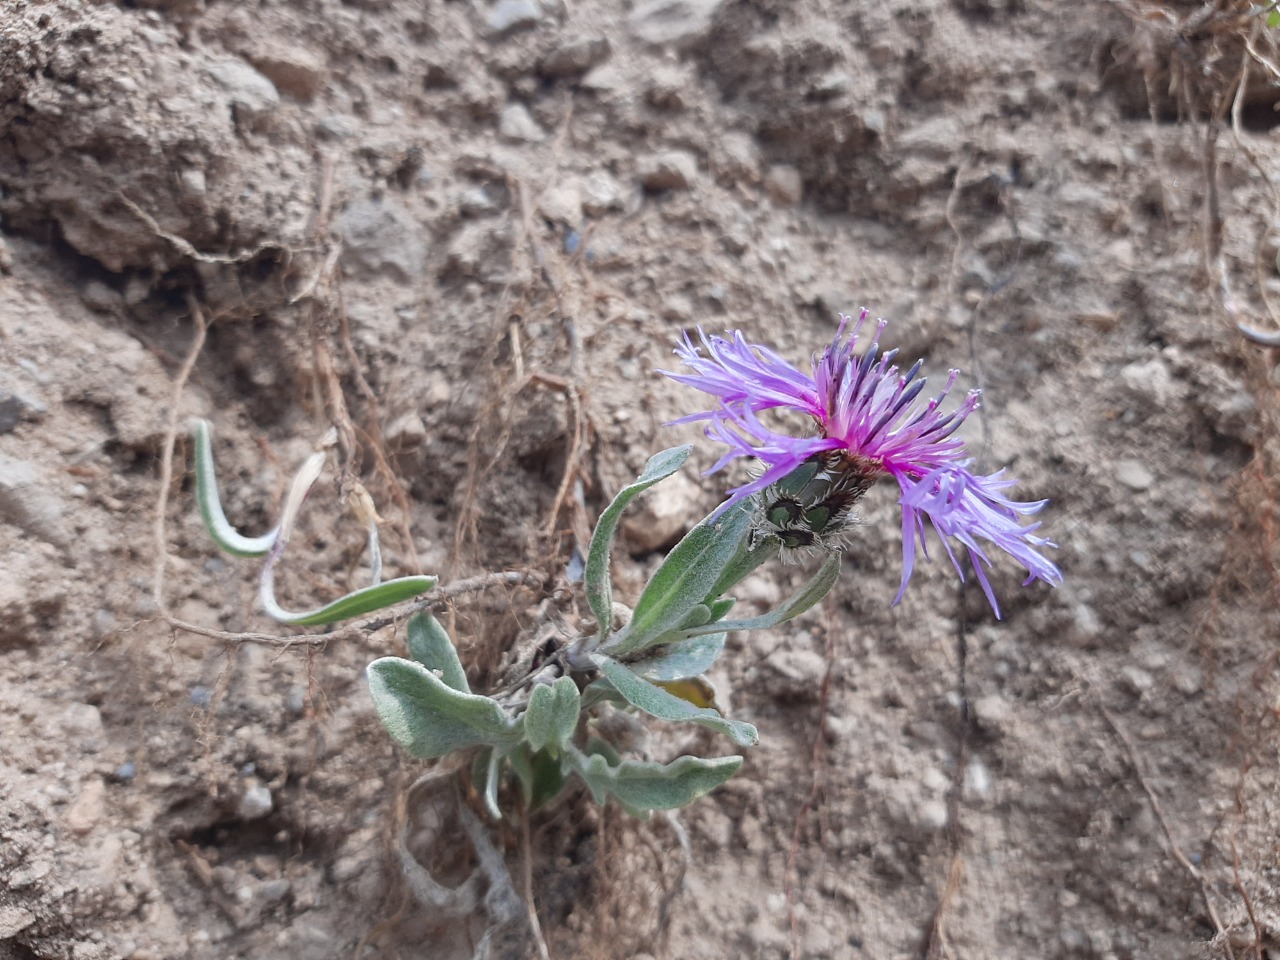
(538,728)
(867,425)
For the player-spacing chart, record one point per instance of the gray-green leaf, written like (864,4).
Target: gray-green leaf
(428,717)
(656,702)
(809,594)
(747,558)
(599,590)
(684,581)
(642,786)
(215,521)
(552,715)
(430,645)
(354,604)
(680,660)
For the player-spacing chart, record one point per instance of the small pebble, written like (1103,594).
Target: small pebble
(509,15)
(256,802)
(673,170)
(517,124)
(1134,475)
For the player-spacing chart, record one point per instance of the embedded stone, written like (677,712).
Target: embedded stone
(516,123)
(784,184)
(1134,475)
(381,236)
(253,97)
(507,16)
(677,23)
(673,170)
(575,58)
(293,70)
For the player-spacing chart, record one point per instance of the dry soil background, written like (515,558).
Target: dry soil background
(487,225)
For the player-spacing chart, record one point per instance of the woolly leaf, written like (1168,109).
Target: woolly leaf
(684,658)
(684,581)
(428,717)
(552,715)
(642,786)
(748,557)
(656,702)
(599,589)
(430,645)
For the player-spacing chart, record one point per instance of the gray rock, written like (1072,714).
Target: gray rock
(784,184)
(1136,680)
(797,674)
(575,58)
(16,407)
(601,193)
(296,71)
(739,156)
(507,16)
(256,802)
(100,297)
(991,710)
(562,203)
(28,502)
(272,891)
(381,236)
(1151,381)
(1134,475)
(673,170)
(678,23)
(931,815)
(517,124)
(13,920)
(88,809)
(606,79)
(655,522)
(253,97)
(1085,624)
(476,202)
(336,127)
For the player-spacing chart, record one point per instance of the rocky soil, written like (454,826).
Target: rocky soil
(468,234)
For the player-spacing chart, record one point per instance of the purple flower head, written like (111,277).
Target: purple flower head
(870,424)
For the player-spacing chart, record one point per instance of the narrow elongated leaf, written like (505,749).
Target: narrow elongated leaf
(552,715)
(697,616)
(642,786)
(684,581)
(749,556)
(354,604)
(656,702)
(720,607)
(428,717)
(430,645)
(809,594)
(682,659)
(599,589)
(215,521)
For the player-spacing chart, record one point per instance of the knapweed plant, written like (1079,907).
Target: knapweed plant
(866,423)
